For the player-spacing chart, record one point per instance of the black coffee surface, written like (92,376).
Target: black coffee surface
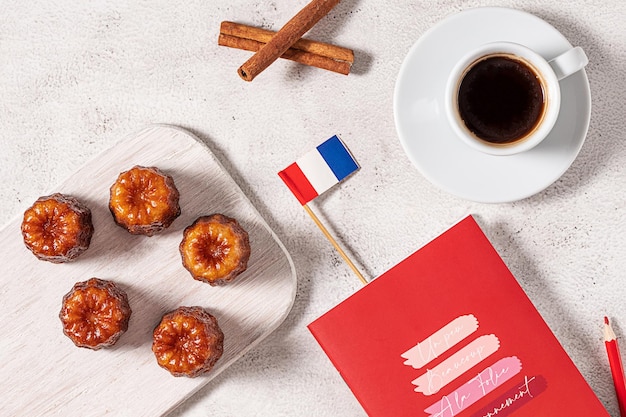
(500,99)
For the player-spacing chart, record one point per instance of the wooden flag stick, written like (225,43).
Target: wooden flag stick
(335,244)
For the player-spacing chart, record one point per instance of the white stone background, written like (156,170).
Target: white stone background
(76,77)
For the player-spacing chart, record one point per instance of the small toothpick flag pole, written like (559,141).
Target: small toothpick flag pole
(316,172)
(335,244)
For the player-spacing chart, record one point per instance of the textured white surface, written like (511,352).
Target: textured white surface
(76,77)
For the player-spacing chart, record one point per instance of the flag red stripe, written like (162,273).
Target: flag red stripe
(297,182)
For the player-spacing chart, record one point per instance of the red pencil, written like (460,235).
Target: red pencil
(617,369)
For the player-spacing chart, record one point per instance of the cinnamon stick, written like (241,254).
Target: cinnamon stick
(240,30)
(293,30)
(304,51)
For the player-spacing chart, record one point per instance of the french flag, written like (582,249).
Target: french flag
(318,170)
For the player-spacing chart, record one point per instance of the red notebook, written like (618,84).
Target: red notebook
(449,332)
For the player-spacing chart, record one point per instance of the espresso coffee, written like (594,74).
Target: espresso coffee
(501,99)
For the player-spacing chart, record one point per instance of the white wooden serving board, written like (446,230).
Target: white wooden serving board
(43,373)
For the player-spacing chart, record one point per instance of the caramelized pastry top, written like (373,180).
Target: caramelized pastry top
(57,228)
(144,200)
(215,249)
(188,341)
(95,313)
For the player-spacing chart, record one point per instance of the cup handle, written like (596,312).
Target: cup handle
(569,62)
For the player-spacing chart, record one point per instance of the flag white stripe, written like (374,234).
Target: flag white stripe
(317,171)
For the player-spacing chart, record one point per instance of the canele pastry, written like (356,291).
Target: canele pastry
(57,228)
(215,249)
(144,200)
(188,341)
(95,313)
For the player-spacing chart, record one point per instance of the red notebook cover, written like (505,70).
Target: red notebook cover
(449,332)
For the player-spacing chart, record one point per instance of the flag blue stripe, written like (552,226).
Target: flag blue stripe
(337,157)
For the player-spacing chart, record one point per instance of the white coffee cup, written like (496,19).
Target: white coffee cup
(487,87)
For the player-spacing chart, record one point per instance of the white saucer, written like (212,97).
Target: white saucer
(430,142)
